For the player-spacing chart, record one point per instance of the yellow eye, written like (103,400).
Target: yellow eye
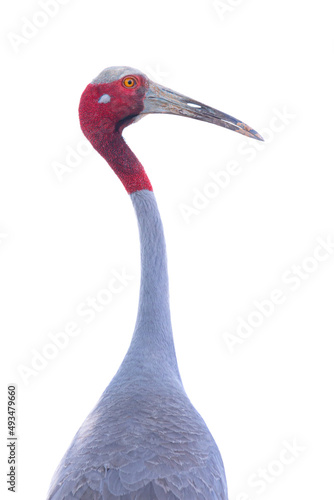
(129,81)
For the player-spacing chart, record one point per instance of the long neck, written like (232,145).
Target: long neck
(152,347)
(153,338)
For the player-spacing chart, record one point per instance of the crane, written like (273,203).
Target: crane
(144,440)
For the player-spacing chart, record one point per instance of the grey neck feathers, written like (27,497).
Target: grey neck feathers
(152,347)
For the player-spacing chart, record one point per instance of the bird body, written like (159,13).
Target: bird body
(143,440)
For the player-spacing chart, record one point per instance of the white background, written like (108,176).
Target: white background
(61,237)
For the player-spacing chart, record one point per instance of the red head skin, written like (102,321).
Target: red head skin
(103,123)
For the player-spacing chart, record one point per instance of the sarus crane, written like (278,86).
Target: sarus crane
(144,440)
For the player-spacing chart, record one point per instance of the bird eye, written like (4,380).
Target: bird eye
(129,81)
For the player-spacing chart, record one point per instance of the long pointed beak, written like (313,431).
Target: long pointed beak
(159,99)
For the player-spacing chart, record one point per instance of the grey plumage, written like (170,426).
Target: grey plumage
(144,440)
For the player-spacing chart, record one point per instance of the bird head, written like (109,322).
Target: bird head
(120,95)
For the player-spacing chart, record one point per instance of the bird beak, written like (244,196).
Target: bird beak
(159,99)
